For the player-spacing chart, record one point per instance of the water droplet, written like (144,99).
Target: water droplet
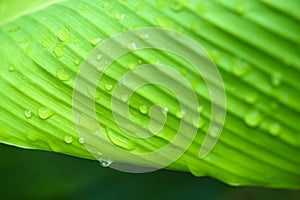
(240,67)
(68,139)
(198,123)
(81,140)
(99,57)
(108,87)
(276,79)
(47,43)
(241,7)
(120,16)
(132,46)
(253,118)
(119,140)
(45,113)
(77,61)
(64,35)
(32,136)
(105,162)
(144,36)
(95,41)
(214,132)
(11,67)
(251,97)
(28,113)
(28,50)
(124,98)
(144,109)
(274,129)
(62,75)
(180,114)
(200,108)
(59,51)
(177,5)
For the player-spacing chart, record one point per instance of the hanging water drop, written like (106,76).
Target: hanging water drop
(62,75)
(104,162)
(45,113)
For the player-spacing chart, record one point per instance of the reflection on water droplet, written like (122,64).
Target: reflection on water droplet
(62,75)
(68,139)
(59,51)
(276,79)
(28,113)
(108,87)
(11,67)
(274,129)
(253,118)
(104,162)
(45,113)
(144,109)
(95,41)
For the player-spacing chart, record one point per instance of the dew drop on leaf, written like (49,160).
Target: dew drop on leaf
(62,75)
(104,162)
(64,35)
(28,113)
(77,61)
(119,140)
(95,41)
(81,140)
(253,118)
(144,109)
(177,5)
(276,79)
(47,43)
(59,51)
(68,139)
(32,136)
(274,129)
(45,113)
(108,87)
(11,67)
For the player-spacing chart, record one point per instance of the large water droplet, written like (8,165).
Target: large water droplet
(104,162)
(95,41)
(28,113)
(45,113)
(59,51)
(62,75)
(119,140)
(253,118)
(68,139)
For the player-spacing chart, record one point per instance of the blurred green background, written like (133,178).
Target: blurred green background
(30,174)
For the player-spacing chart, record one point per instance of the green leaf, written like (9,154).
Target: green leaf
(255,45)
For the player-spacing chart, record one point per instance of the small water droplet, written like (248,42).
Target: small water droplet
(95,41)
(47,43)
(32,136)
(253,118)
(124,98)
(144,109)
(177,5)
(276,79)
(77,61)
(45,113)
(108,87)
(28,113)
(274,129)
(11,67)
(68,139)
(104,162)
(120,16)
(198,123)
(59,51)
(64,35)
(132,46)
(180,114)
(62,75)
(144,36)
(251,97)
(99,57)
(240,67)
(81,140)
(214,132)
